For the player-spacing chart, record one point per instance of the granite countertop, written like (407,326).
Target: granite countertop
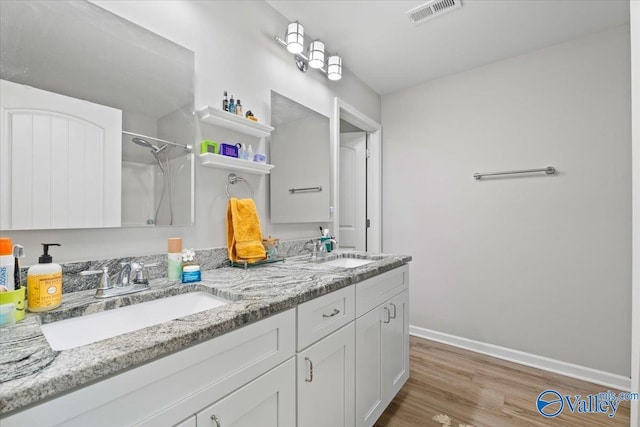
(31,371)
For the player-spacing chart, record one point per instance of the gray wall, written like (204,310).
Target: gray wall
(234,51)
(540,264)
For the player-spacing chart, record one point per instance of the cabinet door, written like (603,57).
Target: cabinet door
(189,422)
(326,381)
(370,390)
(268,401)
(395,345)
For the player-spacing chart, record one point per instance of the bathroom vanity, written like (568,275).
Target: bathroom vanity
(299,343)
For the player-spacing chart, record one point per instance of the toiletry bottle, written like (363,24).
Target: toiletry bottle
(250,153)
(326,236)
(225,102)
(232,105)
(44,283)
(238,108)
(7,263)
(174,258)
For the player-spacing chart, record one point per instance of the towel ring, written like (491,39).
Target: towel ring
(232,179)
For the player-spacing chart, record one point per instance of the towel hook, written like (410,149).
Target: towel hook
(233,179)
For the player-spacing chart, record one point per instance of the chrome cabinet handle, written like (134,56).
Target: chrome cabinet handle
(310,370)
(335,311)
(215,420)
(393,316)
(386,309)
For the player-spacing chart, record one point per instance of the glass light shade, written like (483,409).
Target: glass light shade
(316,54)
(334,68)
(295,37)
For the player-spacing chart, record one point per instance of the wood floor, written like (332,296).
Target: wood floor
(477,390)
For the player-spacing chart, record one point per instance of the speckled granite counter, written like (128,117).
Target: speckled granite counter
(31,371)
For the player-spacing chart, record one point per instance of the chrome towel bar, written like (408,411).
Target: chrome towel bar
(307,189)
(549,170)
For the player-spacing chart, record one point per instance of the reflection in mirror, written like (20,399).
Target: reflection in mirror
(82,51)
(300,149)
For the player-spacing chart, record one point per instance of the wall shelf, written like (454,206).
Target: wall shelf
(231,163)
(217,117)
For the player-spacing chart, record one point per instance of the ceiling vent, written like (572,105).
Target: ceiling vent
(432,9)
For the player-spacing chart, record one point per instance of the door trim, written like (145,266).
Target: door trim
(343,110)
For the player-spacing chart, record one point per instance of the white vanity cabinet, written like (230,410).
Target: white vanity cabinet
(336,360)
(268,401)
(382,342)
(325,360)
(169,390)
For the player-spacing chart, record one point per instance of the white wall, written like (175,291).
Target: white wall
(234,51)
(540,264)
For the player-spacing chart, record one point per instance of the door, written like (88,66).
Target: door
(326,381)
(268,401)
(60,161)
(395,345)
(353,190)
(370,388)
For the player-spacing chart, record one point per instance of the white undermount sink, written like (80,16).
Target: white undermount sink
(82,330)
(347,262)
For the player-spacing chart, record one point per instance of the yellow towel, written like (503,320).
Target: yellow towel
(244,237)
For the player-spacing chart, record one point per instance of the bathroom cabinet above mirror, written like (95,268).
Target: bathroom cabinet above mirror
(140,88)
(300,148)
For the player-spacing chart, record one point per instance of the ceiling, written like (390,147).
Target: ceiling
(383,48)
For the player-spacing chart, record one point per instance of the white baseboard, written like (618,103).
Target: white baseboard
(540,362)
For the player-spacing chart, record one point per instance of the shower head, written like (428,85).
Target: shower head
(144,143)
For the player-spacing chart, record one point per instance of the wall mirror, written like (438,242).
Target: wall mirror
(301,150)
(82,53)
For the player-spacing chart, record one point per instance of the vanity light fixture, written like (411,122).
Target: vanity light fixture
(334,68)
(295,38)
(315,58)
(316,54)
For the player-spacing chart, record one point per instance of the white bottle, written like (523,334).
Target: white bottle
(250,153)
(6,263)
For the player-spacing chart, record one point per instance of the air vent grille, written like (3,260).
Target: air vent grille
(432,9)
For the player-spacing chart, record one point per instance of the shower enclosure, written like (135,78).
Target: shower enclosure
(157,182)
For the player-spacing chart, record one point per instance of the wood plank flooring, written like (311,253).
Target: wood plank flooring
(478,390)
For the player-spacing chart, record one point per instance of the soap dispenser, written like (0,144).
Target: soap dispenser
(44,283)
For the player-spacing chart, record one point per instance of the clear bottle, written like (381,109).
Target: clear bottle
(232,105)
(239,108)
(225,102)
(250,153)
(244,155)
(44,283)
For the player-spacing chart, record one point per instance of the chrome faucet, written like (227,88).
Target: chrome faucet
(322,243)
(319,246)
(124,285)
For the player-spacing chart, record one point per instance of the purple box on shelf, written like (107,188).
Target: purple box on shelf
(229,150)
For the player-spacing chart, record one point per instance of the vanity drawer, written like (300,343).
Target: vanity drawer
(372,292)
(321,316)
